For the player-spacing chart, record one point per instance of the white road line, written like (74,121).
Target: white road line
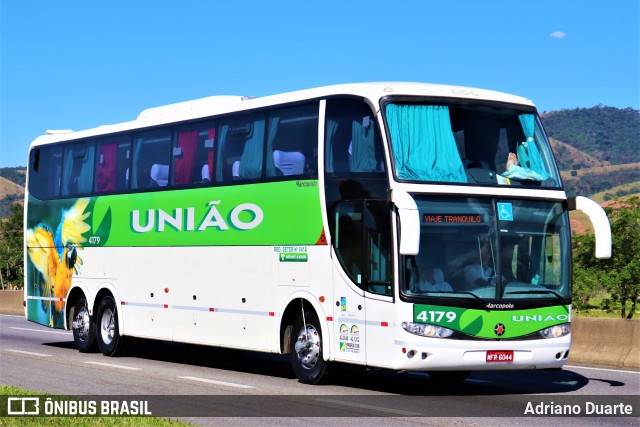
(30,353)
(111,365)
(41,330)
(600,369)
(204,380)
(371,407)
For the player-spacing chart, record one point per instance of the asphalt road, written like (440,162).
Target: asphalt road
(209,386)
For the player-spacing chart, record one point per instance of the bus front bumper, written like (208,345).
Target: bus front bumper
(433,354)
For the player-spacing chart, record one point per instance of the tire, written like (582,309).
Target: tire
(83,326)
(107,332)
(449,377)
(306,349)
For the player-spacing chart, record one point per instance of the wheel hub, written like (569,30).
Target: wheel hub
(107,326)
(307,347)
(81,323)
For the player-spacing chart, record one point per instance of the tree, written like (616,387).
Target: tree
(586,277)
(624,267)
(11,253)
(620,275)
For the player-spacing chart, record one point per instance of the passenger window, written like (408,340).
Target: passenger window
(113,167)
(352,140)
(151,159)
(241,149)
(77,173)
(292,142)
(45,172)
(193,155)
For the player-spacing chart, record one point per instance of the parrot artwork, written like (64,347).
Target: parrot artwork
(55,254)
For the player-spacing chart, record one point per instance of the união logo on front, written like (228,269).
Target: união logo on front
(245,216)
(541,318)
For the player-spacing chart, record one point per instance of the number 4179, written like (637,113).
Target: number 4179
(436,316)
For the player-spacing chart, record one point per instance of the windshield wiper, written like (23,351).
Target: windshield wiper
(545,291)
(480,300)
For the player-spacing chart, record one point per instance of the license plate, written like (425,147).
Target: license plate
(505,356)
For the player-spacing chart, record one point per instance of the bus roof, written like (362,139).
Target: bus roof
(215,105)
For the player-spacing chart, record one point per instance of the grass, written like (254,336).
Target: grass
(8,188)
(599,197)
(88,421)
(594,309)
(566,174)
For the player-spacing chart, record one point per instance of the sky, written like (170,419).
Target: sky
(80,64)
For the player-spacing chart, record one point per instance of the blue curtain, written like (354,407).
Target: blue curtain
(363,153)
(332,127)
(424,148)
(528,153)
(251,160)
(85,180)
(68,170)
(222,140)
(273,130)
(136,181)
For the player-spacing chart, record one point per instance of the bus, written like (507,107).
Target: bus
(402,226)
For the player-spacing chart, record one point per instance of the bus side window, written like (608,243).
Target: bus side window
(292,141)
(241,149)
(378,241)
(363,243)
(151,156)
(113,165)
(193,155)
(352,139)
(77,173)
(45,171)
(348,241)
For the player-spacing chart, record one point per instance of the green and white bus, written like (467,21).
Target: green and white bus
(401,226)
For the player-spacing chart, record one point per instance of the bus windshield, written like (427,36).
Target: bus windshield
(483,248)
(469,143)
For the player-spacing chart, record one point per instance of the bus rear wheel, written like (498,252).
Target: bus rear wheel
(83,326)
(108,334)
(306,349)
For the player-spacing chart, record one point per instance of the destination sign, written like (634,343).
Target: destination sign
(453,218)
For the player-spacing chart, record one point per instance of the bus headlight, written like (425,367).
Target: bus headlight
(556,331)
(426,330)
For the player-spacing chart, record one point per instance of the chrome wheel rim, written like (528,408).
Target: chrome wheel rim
(307,347)
(81,324)
(107,326)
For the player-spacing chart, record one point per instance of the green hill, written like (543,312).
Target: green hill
(12,181)
(607,134)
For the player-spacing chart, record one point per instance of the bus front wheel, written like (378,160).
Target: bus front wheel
(108,335)
(84,329)
(306,349)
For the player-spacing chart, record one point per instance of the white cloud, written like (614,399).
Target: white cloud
(558,34)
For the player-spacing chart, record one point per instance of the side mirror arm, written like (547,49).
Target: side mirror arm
(599,220)
(409,222)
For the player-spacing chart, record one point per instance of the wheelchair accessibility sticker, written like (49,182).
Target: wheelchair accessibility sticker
(505,212)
